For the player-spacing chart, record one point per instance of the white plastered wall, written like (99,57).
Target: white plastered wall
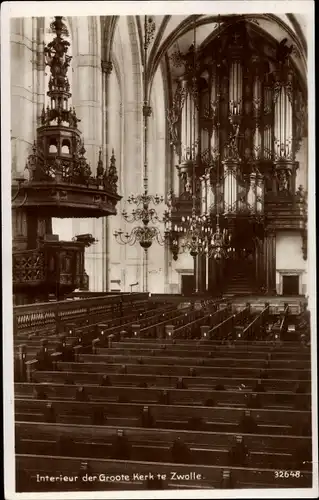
(289,259)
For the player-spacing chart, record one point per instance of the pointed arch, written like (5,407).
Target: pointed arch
(187,24)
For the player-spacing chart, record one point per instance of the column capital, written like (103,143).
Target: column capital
(107,67)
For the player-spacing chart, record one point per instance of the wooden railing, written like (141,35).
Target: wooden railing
(52,314)
(250,330)
(227,325)
(283,324)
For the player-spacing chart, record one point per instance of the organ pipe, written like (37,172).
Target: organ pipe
(245,125)
(235,88)
(230,189)
(259,193)
(267,152)
(283,122)
(257,98)
(251,197)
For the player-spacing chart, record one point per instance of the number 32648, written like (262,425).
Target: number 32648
(284,474)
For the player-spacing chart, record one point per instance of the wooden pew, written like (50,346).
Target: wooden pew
(173,366)
(107,357)
(181,321)
(154,452)
(143,436)
(84,339)
(175,350)
(30,353)
(110,320)
(205,418)
(73,329)
(191,329)
(163,381)
(170,396)
(234,351)
(203,477)
(220,350)
(158,330)
(87,333)
(183,370)
(240,344)
(144,322)
(201,353)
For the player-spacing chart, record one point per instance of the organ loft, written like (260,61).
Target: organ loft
(159,251)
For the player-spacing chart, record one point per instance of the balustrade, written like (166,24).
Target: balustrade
(50,315)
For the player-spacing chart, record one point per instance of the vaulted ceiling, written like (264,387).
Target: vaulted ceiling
(175,33)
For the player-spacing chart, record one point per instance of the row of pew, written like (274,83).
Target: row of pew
(169,398)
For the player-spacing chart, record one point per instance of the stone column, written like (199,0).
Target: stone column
(23,48)
(22,91)
(107,68)
(87,95)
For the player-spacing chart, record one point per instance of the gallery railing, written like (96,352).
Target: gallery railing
(39,316)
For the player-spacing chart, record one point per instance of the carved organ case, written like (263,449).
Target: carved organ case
(240,118)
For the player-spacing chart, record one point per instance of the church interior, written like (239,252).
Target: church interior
(159,252)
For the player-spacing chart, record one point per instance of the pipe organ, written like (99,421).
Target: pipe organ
(234,125)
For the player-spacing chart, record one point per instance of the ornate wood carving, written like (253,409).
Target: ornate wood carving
(244,84)
(54,268)
(60,177)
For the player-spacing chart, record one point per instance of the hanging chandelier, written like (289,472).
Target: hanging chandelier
(144,235)
(199,238)
(145,203)
(218,246)
(147,233)
(194,232)
(143,212)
